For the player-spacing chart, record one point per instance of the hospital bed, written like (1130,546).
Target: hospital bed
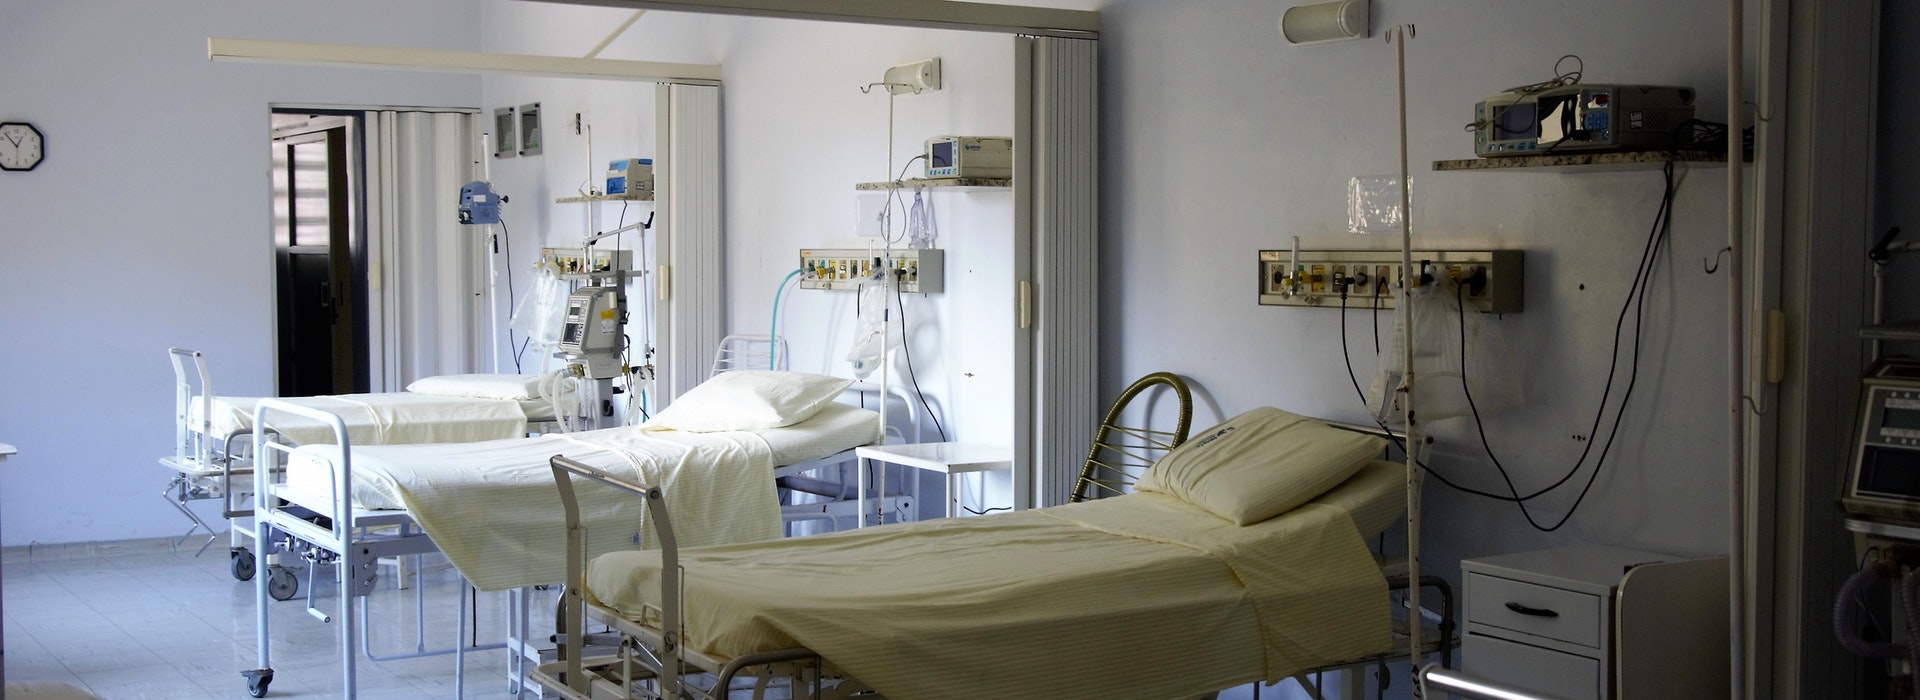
(212,432)
(491,508)
(1151,595)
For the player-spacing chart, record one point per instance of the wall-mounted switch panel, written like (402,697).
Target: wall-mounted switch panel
(1492,279)
(916,270)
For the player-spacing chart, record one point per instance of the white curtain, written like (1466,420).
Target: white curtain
(426,272)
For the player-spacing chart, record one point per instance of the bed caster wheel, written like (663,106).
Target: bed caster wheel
(257,681)
(243,564)
(281,585)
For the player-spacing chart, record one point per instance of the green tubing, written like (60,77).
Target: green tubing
(773,326)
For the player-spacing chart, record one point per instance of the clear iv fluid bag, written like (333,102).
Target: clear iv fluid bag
(878,330)
(1440,387)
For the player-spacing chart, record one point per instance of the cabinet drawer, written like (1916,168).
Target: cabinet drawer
(1549,612)
(1528,667)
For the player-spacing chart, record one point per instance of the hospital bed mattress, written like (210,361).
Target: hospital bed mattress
(1136,596)
(492,507)
(836,428)
(395,418)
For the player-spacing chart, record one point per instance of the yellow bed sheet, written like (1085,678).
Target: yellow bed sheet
(1139,596)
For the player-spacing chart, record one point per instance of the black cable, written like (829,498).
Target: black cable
(1636,301)
(1636,294)
(1391,438)
(908,353)
(506,239)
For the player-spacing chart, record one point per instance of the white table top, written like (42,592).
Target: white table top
(6,449)
(949,457)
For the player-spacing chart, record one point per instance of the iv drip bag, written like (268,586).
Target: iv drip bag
(878,331)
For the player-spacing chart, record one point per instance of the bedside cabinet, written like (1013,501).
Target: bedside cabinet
(1592,623)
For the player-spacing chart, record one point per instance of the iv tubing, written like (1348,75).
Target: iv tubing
(773,326)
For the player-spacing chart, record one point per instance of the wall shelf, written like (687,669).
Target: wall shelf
(963,183)
(647,197)
(1585,162)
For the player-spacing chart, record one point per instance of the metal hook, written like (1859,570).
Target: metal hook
(870,86)
(1405,29)
(1713,265)
(1757,409)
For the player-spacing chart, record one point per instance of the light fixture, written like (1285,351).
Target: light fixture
(1322,22)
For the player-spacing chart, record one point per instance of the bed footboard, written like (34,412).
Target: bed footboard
(652,662)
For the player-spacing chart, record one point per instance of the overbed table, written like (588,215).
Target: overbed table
(949,458)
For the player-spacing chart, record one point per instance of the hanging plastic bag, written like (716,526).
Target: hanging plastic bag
(878,331)
(1441,377)
(540,314)
(920,229)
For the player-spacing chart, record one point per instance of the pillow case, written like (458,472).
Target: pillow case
(749,400)
(519,387)
(1260,464)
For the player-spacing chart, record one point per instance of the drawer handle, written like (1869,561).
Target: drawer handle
(1536,612)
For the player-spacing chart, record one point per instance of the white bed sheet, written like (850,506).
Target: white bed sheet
(835,428)
(1138,596)
(395,418)
(493,509)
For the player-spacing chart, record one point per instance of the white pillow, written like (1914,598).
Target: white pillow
(749,400)
(1260,464)
(517,387)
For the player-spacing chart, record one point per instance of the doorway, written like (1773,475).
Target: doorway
(320,256)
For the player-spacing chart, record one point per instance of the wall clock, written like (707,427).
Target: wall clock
(21,146)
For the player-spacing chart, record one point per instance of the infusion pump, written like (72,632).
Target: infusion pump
(1884,480)
(591,334)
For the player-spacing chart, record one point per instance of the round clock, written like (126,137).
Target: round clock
(21,146)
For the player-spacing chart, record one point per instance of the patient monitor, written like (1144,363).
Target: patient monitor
(1884,479)
(591,335)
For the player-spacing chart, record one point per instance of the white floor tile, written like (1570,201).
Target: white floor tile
(169,625)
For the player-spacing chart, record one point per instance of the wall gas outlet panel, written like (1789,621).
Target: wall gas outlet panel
(916,270)
(1493,279)
(565,261)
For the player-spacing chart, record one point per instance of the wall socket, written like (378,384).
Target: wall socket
(1493,280)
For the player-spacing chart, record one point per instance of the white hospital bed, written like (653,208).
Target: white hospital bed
(1144,595)
(491,507)
(212,433)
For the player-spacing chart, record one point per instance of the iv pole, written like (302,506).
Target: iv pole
(1408,276)
(489,248)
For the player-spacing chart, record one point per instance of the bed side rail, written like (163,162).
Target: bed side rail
(1432,677)
(265,447)
(573,601)
(185,438)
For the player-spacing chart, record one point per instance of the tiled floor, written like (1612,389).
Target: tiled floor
(142,621)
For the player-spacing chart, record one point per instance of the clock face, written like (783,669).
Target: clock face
(21,146)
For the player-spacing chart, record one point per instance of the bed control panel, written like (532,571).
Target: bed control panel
(916,270)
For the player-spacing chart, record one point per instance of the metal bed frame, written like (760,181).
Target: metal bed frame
(208,466)
(640,666)
(353,541)
(204,464)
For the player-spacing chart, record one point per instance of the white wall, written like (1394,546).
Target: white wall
(148,226)
(1221,140)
